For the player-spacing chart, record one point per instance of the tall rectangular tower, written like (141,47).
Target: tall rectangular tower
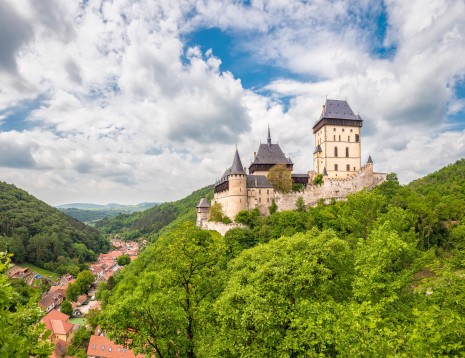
(337,140)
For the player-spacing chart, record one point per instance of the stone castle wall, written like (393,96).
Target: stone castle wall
(220,227)
(332,188)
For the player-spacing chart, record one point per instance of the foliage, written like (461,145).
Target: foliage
(20,331)
(152,221)
(123,260)
(273,207)
(37,233)
(300,204)
(169,288)
(298,187)
(83,282)
(216,214)
(79,343)
(66,307)
(318,179)
(280,178)
(247,217)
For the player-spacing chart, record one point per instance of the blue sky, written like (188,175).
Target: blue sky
(130,101)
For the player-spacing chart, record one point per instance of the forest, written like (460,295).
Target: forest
(37,233)
(380,274)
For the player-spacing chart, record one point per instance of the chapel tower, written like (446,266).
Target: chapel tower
(337,140)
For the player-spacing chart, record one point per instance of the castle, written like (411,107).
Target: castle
(336,159)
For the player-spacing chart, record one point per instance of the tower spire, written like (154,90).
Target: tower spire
(269,135)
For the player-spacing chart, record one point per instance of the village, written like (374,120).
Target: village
(62,326)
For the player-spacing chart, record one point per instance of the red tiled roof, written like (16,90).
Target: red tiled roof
(60,327)
(54,315)
(101,346)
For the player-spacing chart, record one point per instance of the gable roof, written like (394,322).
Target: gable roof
(60,327)
(54,315)
(258,181)
(271,154)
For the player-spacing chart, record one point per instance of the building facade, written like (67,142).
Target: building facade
(337,157)
(337,140)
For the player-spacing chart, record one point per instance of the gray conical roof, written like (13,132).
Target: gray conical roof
(268,141)
(237,167)
(325,173)
(203,203)
(369,161)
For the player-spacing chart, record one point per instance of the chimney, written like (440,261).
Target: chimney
(254,156)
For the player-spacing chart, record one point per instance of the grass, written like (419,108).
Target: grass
(80,321)
(41,271)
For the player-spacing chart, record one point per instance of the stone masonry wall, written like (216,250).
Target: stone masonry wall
(220,227)
(337,188)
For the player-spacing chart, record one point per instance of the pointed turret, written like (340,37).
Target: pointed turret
(236,167)
(325,173)
(369,161)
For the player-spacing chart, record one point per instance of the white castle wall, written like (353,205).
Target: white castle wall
(332,188)
(220,227)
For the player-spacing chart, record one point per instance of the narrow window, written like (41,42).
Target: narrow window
(268,191)
(357,138)
(354,169)
(259,191)
(334,137)
(339,138)
(348,167)
(351,130)
(343,129)
(259,200)
(348,138)
(335,129)
(347,152)
(335,167)
(335,151)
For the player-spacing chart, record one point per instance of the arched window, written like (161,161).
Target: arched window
(335,151)
(347,152)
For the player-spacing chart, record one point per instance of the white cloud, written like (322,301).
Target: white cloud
(129,114)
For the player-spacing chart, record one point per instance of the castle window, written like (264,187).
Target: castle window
(334,137)
(351,130)
(339,138)
(348,167)
(335,151)
(335,129)
(354,169)
(259,200)
(357,138)
(259,191)
(347,152)
(268,191)
(335,167)
(348,138)
(343,129)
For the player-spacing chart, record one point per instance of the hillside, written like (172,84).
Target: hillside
(39,234)
(152,221)
(89,213)
(380,274)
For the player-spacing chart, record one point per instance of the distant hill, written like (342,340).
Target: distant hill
(152,221)
(39,234)
(90,213)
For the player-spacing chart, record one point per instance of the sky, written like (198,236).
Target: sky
(132,101)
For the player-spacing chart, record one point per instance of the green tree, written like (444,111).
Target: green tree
(318,179)
(66,307)
(20,331)
(79,343)
(280,178)
(161,304)
(247,217)
(123,260)
(300,204)
(281,298)
(273,207)
(216,213)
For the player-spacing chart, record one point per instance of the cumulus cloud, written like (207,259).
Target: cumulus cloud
(130,113)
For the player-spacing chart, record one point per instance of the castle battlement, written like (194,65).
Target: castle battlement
(337,158)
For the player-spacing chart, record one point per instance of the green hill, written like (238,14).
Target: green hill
(154,220)
(39,234)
